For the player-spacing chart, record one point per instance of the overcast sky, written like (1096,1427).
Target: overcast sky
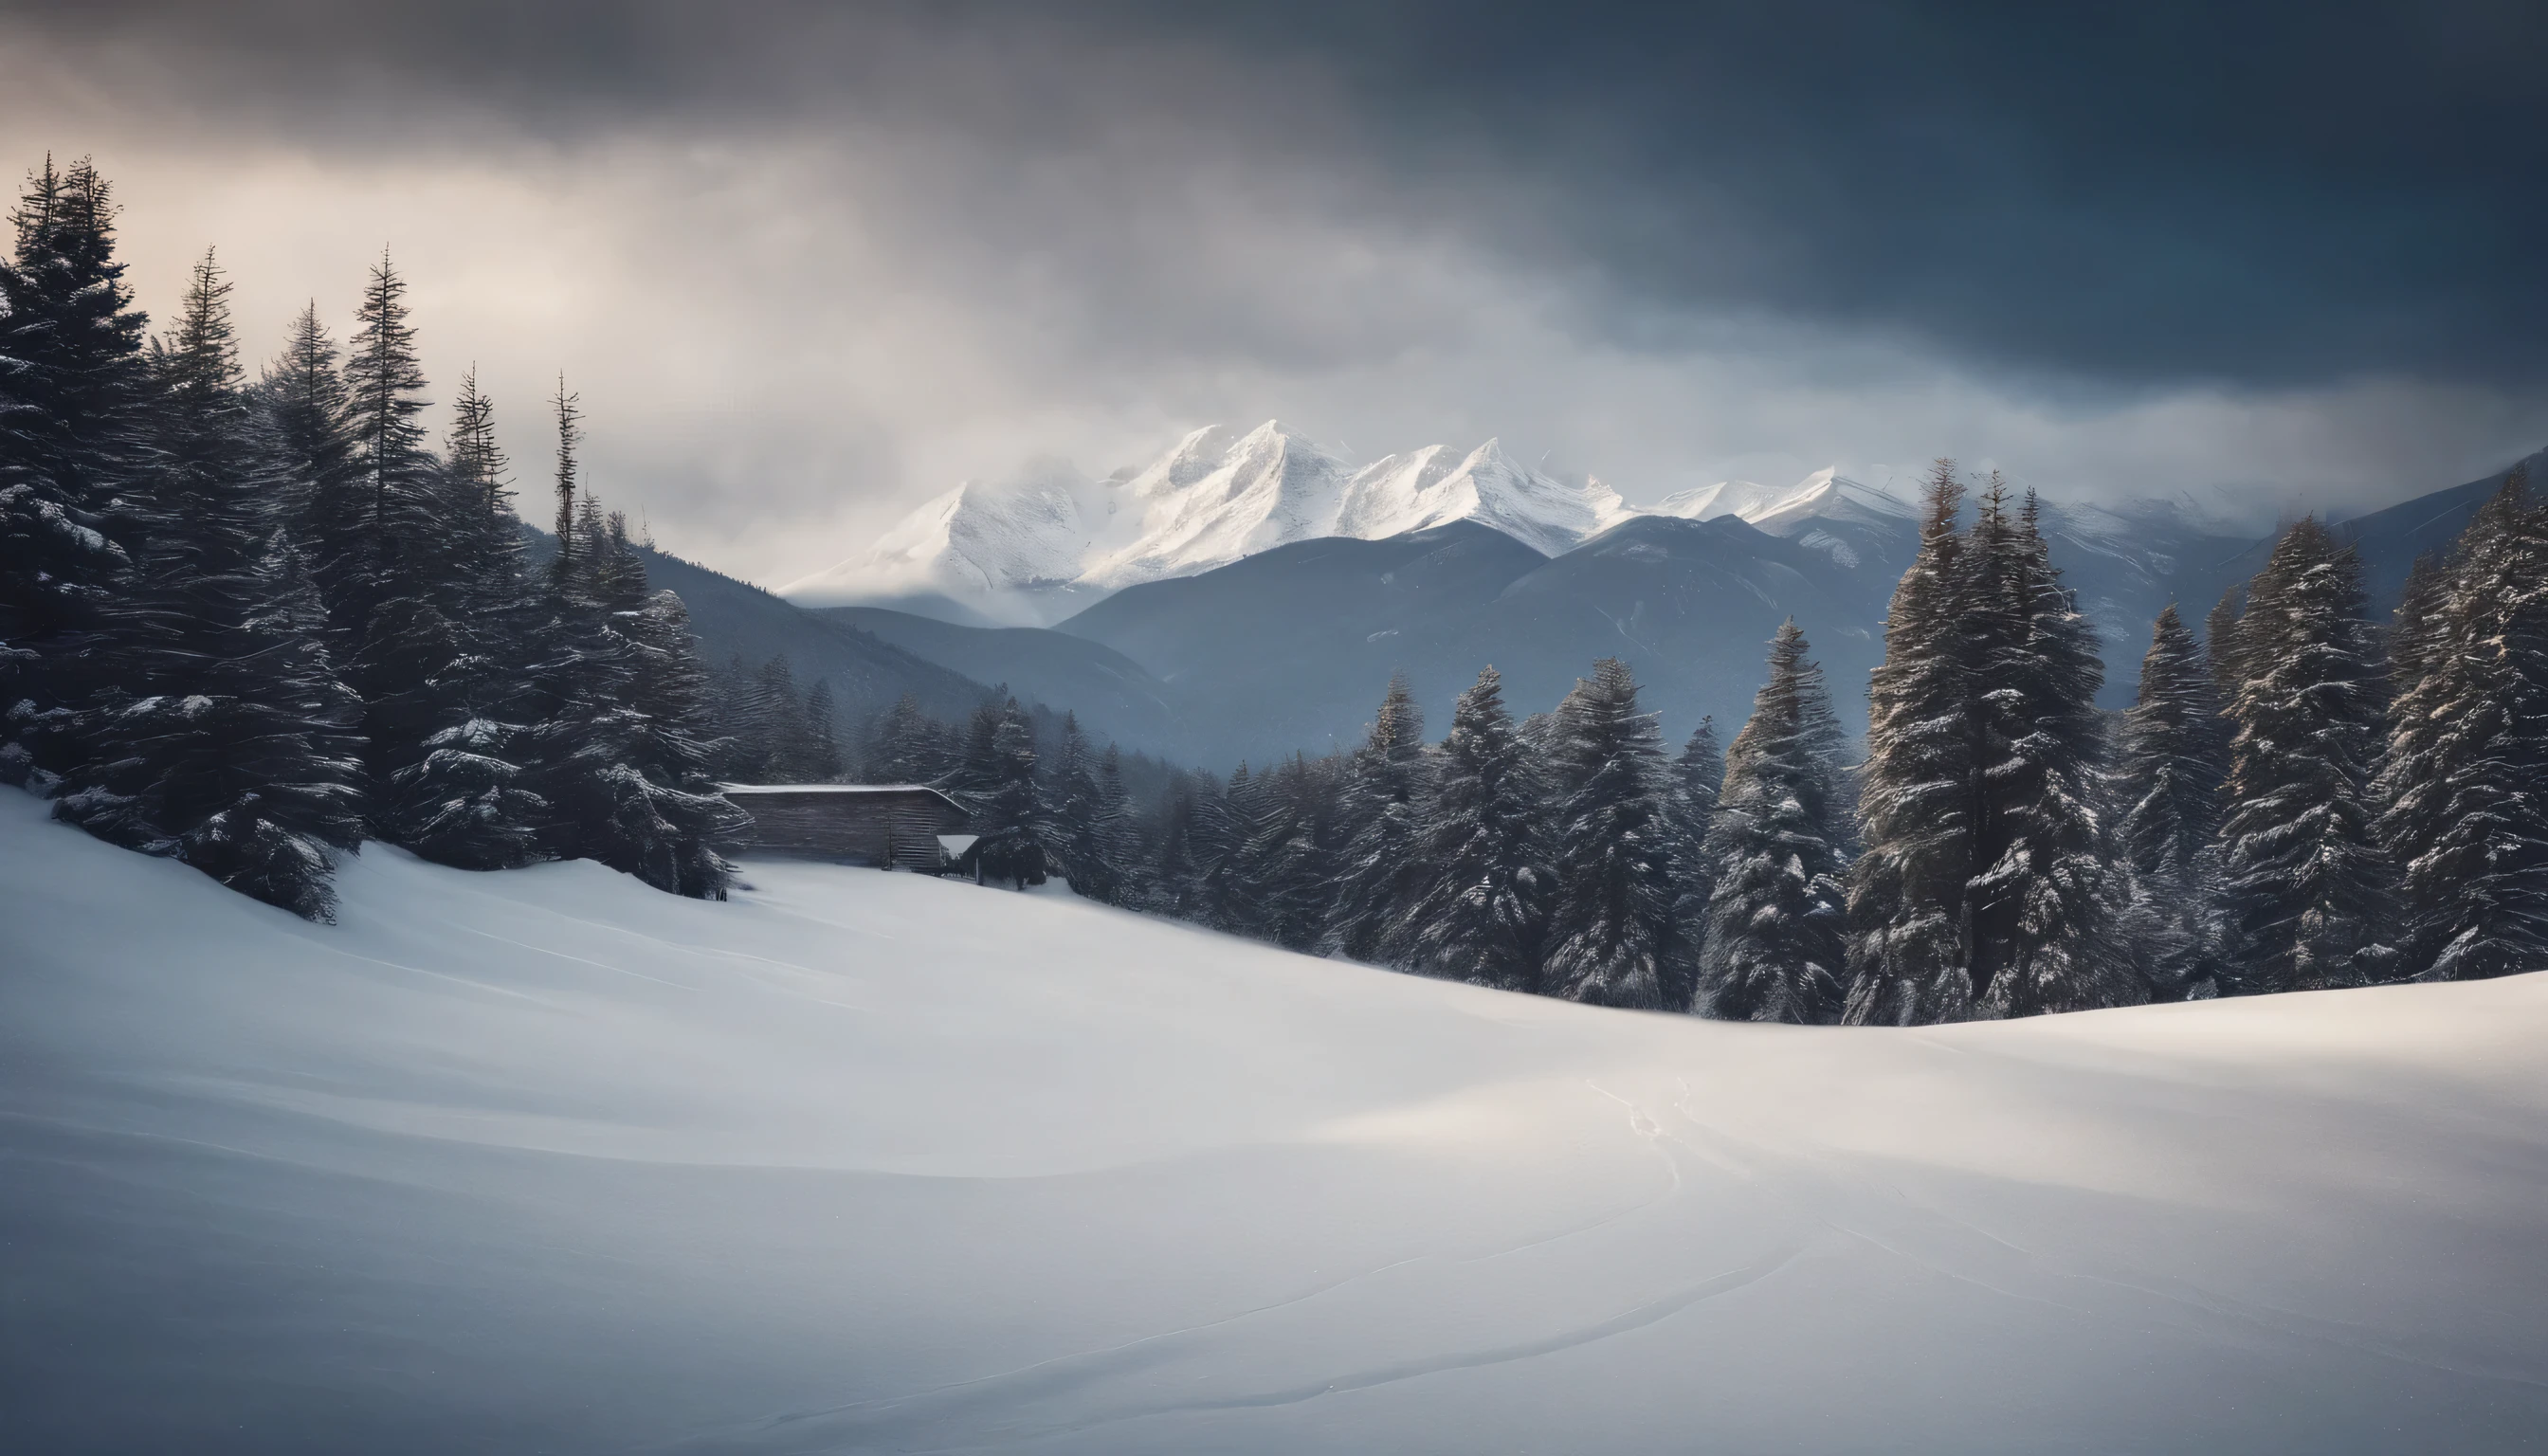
(811,265)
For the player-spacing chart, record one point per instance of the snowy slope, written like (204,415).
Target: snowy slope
(543,1160)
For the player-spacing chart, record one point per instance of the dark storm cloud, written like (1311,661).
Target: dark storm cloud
(2096,197)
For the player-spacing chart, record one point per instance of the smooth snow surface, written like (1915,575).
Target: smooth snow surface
(546,1161)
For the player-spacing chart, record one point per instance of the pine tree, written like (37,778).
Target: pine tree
(226,742)
(1777,945)
(72,383)
(1287,867)
(1611,928)
(444,661)
(307,428)
(2407,786)
(1689,812)
(1082,828)
(1917,815)
(622,748)
(908,746)
(393,470)
(1984,888)
(1118,837)
(1173,883)
(1482,914)
(824,761)
(2174,762)
(1378,873)
(2466,782)
(569,431)
(2221,644)
(2306,889)
(1224,823)
(2045,907)
(432,593)
(1016,828)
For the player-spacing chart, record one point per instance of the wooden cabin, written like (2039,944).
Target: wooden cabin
(886,826)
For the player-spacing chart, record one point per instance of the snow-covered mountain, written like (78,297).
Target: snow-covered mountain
(1037,547)
(982,547)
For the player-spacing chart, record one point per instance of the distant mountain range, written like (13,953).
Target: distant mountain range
(1249,594)
(1033,549)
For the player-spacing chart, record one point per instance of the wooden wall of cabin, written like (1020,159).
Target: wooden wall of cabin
(874,830)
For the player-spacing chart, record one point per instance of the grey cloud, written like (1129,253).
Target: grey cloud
(810,263)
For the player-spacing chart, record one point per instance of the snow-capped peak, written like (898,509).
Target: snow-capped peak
(1033,546)
(1823,494)
(1267,487)
(1430,487)
(973,543)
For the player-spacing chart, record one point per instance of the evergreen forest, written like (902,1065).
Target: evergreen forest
(250,620)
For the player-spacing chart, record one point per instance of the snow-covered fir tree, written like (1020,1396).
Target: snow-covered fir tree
(2407,786)
(225,741)
(1084,829)
(567,410)
(437,591)
(2046,904)
(1689,812)
(1482,915)
(1288,862)
(2467,778)
(444,658)
(824,761)
(1918,819)
(1185,850)
(1776,946)
(1610,923)
(2174,761)
(392,471)
(1118,834)
(622,745)
(72,382)
(908,747)
(2220,646)
(2307,890)
(1985,889)
(1015,826)
(309,428)
(1378,873)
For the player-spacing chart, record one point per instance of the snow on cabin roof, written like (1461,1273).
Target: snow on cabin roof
(735,789)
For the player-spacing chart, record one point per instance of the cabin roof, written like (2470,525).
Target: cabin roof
(753,790)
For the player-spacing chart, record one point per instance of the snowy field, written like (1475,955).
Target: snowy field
(547,1162)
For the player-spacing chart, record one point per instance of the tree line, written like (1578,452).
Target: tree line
(249,623)
(2303,800)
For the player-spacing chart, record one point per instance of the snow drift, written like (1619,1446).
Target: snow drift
(546,1160)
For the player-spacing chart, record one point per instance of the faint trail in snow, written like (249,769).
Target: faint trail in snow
(578,959)
(443,976)
(1638,1317)
(1075,1357)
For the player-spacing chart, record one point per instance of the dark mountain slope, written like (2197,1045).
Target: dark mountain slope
(1291,648)
(1115,696)
(731,618)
